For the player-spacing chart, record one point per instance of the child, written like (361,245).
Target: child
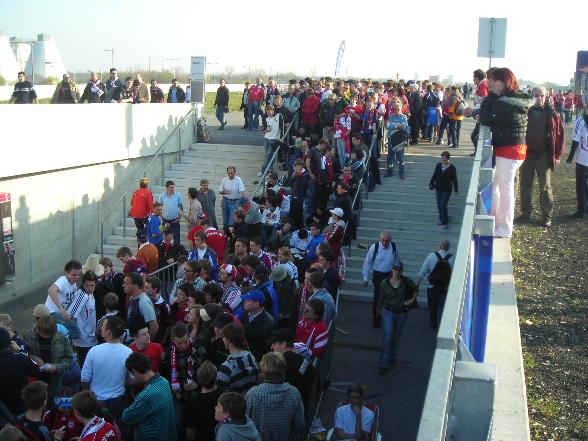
(61,416)
(270,219)
(83,310)
(233,423)
(162,309)
(398,131)
(342,136)
(200,407)
(111,302)
(286,259)
(142,343)
(85,408)
(179,310)
(34,397)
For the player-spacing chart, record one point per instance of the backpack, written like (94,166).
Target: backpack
(441,274)
(377,248)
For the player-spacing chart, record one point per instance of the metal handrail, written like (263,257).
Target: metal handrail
(274,156)
(358,192)
(139,176)
(434,417)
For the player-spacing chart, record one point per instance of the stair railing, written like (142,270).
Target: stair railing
(159,153)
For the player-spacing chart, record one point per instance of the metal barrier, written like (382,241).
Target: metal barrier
(465,315)
(167,276)
(272,161)
(143,173)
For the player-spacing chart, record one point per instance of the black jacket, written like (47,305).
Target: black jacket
(444,180)
(180,94)
(258,333)
(93,97)
(300,185)
(14,371)
(415,103)
(222,96)
(506,115)
(344,202)
(327,114)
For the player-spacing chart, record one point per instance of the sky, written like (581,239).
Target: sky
(382,39)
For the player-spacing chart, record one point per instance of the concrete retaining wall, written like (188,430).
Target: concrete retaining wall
(56,211)
(47,91)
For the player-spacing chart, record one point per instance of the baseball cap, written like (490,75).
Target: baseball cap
(279,273)
(255,295)
(230,269)
(337,211)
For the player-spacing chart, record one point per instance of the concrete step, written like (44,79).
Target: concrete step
(212,175)
(405,212)
(365,295)
(213,147)
(217,167)
(229,157)
(368,220)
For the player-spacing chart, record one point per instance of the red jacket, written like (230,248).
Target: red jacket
(216,240)
(141,203)
(555,135)
(310,110)
(99,429)
(312,335)
(256,93)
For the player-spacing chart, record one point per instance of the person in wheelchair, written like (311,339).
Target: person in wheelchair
(353,420)
(398,132)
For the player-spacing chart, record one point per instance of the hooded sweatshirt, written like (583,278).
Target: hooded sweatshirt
(232,431)
(238,373)
(276,410)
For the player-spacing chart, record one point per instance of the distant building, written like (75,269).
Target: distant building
(8,65)
(41,55)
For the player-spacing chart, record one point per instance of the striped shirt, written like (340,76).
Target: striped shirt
(238,373)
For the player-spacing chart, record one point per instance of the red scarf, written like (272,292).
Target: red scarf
(175,378)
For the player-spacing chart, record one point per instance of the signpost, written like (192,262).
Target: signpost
(492,38)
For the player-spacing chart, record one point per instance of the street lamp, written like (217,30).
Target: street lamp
(111,56)
(249,68)
(174,67)
(213,70)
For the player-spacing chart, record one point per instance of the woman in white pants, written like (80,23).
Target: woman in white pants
(504,110)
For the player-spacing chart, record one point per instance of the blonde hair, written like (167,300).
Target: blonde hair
(286,252)
(6,321)
(273,368)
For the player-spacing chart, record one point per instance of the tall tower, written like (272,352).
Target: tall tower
(41,55)
(8,65)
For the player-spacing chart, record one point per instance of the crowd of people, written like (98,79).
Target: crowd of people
(114,90)
(215,335)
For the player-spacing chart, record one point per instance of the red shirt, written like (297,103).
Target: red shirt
(99,429)
(216,240)
(55,420)
(482,88)
(153,350)
(193,232)
(135,266)
(310,110)
(141,203)
(256,93)
(179,312)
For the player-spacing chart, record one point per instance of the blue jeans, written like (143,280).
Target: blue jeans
(268,151)
(253,113)
(392,325)
(454,129)
(220,115)
(72,328)
(341,152)
(394,157)
(228,207)
(312,196)
(442,202)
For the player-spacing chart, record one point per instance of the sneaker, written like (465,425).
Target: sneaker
(546,223)
(438,141)
(401,176)
(472,154)
(389,173)
(362,246)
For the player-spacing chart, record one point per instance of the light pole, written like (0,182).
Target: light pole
(111,56)
(249,68)
(213,70)
(173,68)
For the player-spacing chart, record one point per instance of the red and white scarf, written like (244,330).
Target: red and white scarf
(175,377)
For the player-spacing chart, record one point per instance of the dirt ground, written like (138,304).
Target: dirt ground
(550,266)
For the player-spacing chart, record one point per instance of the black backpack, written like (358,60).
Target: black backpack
(377,248)
(441,274)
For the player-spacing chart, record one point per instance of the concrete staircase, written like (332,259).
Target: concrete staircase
(408,209)
(208,161)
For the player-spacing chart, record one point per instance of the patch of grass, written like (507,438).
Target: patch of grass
(234,102)
(544,405)
(528,362)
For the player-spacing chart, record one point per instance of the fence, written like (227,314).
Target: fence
(459,354)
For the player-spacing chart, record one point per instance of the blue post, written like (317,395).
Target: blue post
(468,302)
(483,280)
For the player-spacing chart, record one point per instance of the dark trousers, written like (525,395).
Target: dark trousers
(442,202)
(529,167)
(116,406)
(582,188)
(415,127)
(141,224)
(377,278)
(436,299)
(245,119)
(454,129)
(297,212)
(474,136)
(442,127)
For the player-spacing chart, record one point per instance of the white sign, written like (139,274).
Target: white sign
(198,68)
(492,38)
